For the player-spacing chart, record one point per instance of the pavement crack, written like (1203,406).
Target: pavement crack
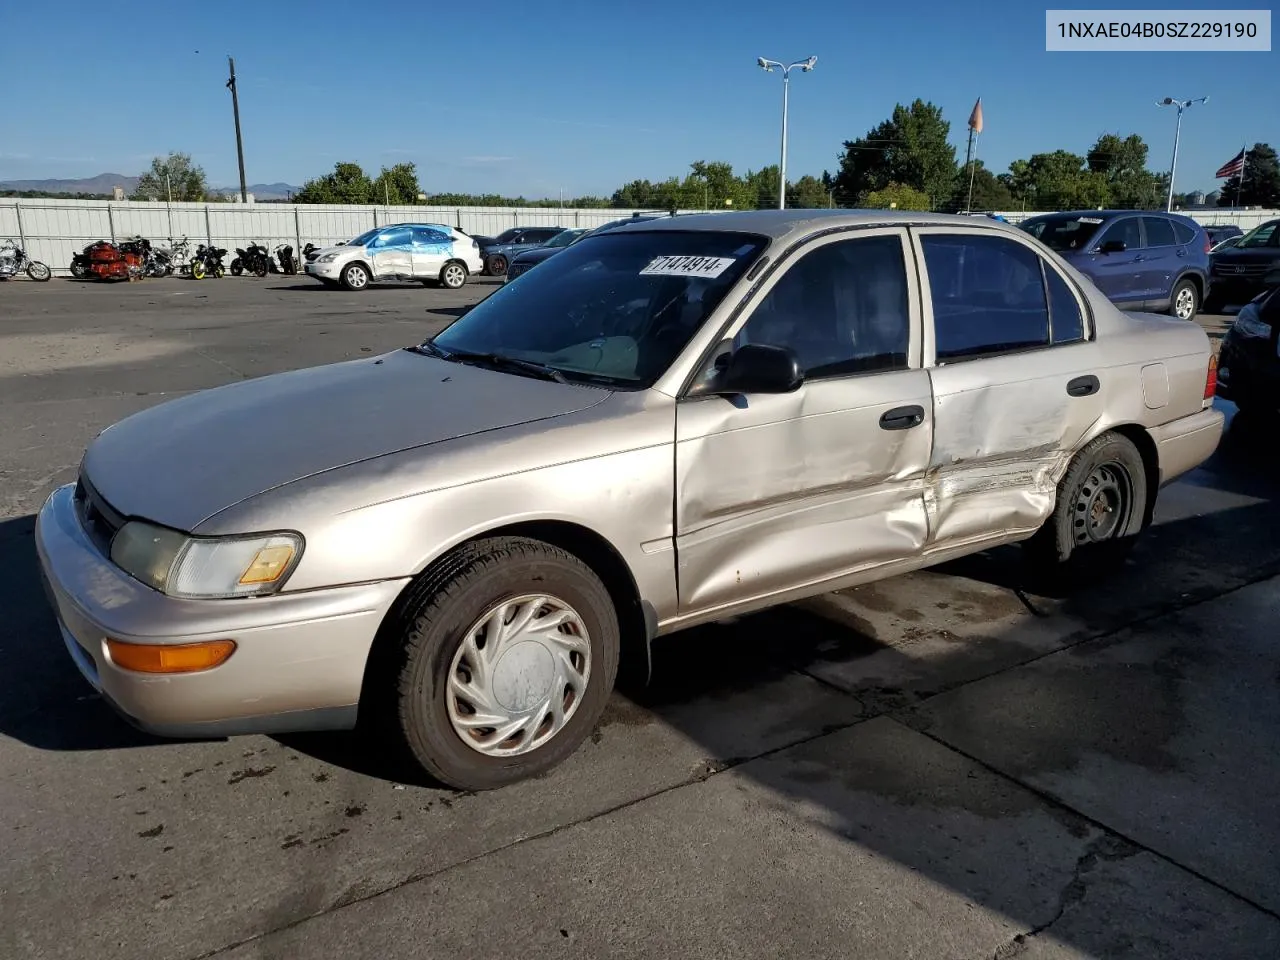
(1103,848)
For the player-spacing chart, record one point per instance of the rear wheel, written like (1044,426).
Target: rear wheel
(259,269)
(496,265)
(1100,510)
(355,277)
(1185,300)
(496,668)
(237,267)
(78,270)
(453,276)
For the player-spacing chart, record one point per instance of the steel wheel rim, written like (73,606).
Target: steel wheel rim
(356,277)
(1184,303)
(453,276)
(519,675)
(1103,505)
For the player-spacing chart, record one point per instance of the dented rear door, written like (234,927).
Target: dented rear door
(1018,382)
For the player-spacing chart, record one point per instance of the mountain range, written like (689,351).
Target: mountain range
(105,182)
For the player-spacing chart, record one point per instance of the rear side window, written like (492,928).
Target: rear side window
(988,295)
(1159,232)
(1065,321)
(1125,230)
(1183,232)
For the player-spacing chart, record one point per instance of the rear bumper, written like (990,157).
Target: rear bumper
(1185,443)
(299,660)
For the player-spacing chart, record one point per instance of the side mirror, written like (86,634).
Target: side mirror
(1113,246)
(760,368)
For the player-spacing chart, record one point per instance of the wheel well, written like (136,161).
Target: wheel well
(588,546)
(1139,437)
(461,263)
(1197,282)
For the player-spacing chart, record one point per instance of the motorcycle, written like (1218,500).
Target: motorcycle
(107,261)
(14,260)
(253,259)
(288,265)
(208,262)
(153,263)
(175,257)
(80,262)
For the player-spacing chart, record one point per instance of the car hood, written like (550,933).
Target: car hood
(537,254)
(181,462)
(1246,255)
(336,248)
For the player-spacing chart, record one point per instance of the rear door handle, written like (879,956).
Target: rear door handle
(902,418)
(1083,386)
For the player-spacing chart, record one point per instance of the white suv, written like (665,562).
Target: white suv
(430,252)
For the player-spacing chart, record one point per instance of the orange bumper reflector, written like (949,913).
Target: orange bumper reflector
(169,658)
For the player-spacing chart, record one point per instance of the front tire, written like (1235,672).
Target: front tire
(38,271)
(496,668)
(260,270)
(237,267)
(1101,509)
(453,276)
(197,270)
(1185,301)
(355,276)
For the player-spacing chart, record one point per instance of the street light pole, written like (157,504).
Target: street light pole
(235,107)
(767,66)
(1177,135)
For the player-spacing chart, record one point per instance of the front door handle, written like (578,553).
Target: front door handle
(1083,386)
(902,418)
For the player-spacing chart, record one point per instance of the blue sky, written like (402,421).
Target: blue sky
(537,97)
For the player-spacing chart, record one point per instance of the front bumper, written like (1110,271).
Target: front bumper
(299,660)
(323,271)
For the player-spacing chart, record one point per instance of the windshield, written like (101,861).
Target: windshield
(1063,233)
(564,238)
(364,238)
(617,308)
(1263,235)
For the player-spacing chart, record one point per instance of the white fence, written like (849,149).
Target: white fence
(54,230)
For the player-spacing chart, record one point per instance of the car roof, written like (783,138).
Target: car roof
(415,223)
(777,224)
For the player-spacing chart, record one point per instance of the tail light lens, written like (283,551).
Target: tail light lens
(1211,378)
(1208,244)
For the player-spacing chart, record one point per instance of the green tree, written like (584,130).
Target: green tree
(397,185)
(175,175)
(808,193)
(909,149)
(710,184)
(896,195)
(1122,161)
(347,184)
(1056,181)
(1261,184)
(989,193)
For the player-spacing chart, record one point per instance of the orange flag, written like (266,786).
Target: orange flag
(975,118)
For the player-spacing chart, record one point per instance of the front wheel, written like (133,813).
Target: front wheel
(38,271)
(1185,300)
(237,267)
(355,277)
(259,269)
(453,276)
(78,270)
(496,669)
(1100,510)
(197,269)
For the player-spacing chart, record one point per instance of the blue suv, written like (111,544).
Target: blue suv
(1139,259)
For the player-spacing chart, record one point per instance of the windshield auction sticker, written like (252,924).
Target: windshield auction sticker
(672,266)
(1184,31)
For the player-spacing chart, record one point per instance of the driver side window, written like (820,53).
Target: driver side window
(1125,230)
(843,308)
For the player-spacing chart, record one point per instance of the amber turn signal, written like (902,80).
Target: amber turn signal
(169,657)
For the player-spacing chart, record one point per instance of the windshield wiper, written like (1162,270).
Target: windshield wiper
(428,349)
(501,360)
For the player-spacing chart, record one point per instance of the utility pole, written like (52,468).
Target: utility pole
(235,106)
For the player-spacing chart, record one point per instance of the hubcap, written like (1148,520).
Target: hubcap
(519,675)
(1186,299)
(453,276)
(357,277)
(1103,504)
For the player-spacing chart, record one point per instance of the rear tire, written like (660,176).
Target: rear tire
(237,267)
(496,266)
(1185,301)
(1101,509)
(453,275)
(260,270)
(420,685)
(78,270)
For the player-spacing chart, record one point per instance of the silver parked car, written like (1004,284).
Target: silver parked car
(665,424)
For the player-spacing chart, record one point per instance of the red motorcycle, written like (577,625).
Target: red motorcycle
(107,261)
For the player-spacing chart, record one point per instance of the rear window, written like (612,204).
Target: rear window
(1159,232)
(1183,232)
(1063,233)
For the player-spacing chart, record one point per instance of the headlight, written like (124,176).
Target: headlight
(327,258)
(205,567)
(1248,324)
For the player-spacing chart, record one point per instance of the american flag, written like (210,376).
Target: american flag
(1232,167)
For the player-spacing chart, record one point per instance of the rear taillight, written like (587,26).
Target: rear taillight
(1211,378)
(1208,244)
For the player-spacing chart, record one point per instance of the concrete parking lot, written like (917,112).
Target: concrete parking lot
(943,765)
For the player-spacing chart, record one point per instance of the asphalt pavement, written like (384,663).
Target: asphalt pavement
(945,764)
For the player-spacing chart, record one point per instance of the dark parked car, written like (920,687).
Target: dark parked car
(523,262)
(1222,231)
(1249,362)
(1238,272)
(1140,260)
(511,242)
